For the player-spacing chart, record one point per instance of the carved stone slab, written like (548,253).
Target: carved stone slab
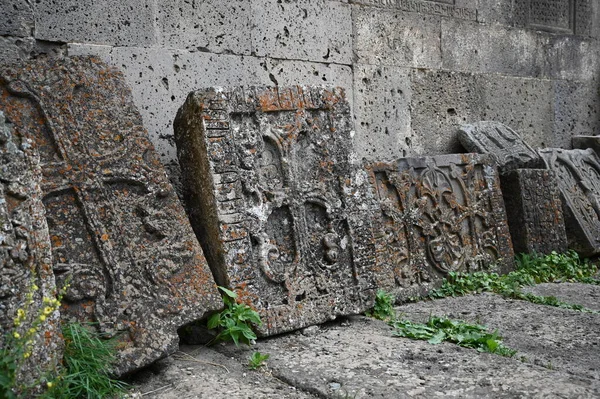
(534,211)
(276,201)
(585,142)
(578,175)
(438,215)
(25,257)
(118,231)
(504,144)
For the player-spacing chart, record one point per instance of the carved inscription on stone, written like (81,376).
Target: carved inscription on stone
(437,215)
(445,8)
(118,232)
(277,202)
(534,211)
(578,175)
(551,14)
(25,264)
(504,144)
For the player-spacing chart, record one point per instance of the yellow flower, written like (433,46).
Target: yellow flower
(31,331)
(48,310)
(26,355)
(16,335)
(42,317)
(50,384)
(35,287)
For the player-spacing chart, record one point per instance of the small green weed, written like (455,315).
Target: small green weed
(439,329)
(384,306)
(234,320)
(530,270)
(87,360)
(257,360)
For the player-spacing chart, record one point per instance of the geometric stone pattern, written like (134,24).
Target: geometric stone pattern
(504,144)
(118,231)
(25,257)
(578,176)
(438,215)
(276,201)
(534,211)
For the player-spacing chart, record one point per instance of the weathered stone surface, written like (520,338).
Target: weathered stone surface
(505,145)
(16,18)
(26,279)
(117,228)
(447,8)
(578,175)
(585,142)
(437,215)
(277,202)
(534,211)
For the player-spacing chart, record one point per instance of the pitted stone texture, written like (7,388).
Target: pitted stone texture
(570,117)
(462,9)
(384,37)
(111,22)
(214,26)
(16,18)
(505,145)
(578,175)
(585,142)
(310,30)
(277,202)
(381,111)
(534,211)
(438,215)
(117,228)
(25,256)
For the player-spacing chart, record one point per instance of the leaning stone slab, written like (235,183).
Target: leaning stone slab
(438,215)
(277,202)
(119,234)
(585,142)
(578,175)
(27,287)
(504,144)
(534,211)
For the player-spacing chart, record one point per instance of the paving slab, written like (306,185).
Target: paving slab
(357,357)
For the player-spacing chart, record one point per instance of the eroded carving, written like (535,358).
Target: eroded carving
(578,175)
(504,144)
(286,242)
(438,215)
(117,229)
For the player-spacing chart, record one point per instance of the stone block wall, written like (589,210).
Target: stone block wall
(413,70)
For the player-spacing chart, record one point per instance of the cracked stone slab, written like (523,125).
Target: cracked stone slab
(437,215)
(278,201)
(578,176)
(118,231)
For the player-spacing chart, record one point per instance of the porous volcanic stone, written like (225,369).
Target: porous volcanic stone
(534,211)
(276,201)
(504,144)
(438,215)
(118,231)
(578,175)
(26,277)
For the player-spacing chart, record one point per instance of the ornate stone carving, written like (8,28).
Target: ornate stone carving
(277,202)
(117,229)
(504,144)
(25,256)
(534,211)
(437,215)
(578,175)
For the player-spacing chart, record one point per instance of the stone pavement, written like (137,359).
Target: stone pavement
(357,357)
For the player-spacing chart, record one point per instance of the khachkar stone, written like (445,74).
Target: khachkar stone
(534,211)
(27,289)
(578,175)
(118,231)
(438,215)
(504,144)
(585,142)
(277,202)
